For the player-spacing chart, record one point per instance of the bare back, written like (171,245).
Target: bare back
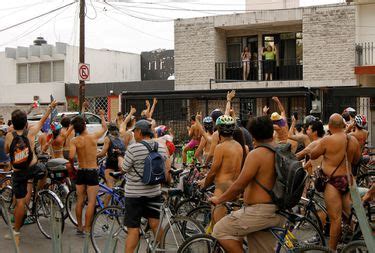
(195,132)
(230,167)
(263,165)
(86,147)
(361,135)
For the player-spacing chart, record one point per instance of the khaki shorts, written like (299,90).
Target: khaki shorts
(248,222)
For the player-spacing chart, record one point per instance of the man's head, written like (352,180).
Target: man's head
(65,122)
(192,119)
(113,129)
(336,123)
(215,114)
(261,128)
(19,119)
(299,127)
(225,125)
(277,119)
(352,112)
(142,130)
(79,124)
(208,124)
(120,115)
(315,129)
(360,121)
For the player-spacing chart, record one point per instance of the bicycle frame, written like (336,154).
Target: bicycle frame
(106,190)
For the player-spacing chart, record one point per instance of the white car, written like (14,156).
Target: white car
(93,122)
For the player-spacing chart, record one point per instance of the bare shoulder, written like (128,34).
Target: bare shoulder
(353,141)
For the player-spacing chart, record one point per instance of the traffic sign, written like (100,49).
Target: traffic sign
(84,72)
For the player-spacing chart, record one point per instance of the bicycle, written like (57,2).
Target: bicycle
(176,230)
(285,237)
(355,247)
(40,208)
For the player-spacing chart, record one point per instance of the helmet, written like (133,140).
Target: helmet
(215,114)
(207,120)
(225,124)
(275,116)
(161,130)
(360,121)
(351,111)
(308,119)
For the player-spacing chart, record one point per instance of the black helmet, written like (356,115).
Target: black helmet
(215,114)
(112,127)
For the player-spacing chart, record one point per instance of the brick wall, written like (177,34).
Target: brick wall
(328,44)
(194,52)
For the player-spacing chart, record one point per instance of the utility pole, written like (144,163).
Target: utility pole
(81,50)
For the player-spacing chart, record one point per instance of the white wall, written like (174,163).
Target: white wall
(8,73)
(105,66)
(271,4)
(365,25)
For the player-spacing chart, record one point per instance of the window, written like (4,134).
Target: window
(155,65)
(149,65)
(22,73)
(299,48)
(161,64)
(58,71)
(92,119)
(45,72)
(34,73)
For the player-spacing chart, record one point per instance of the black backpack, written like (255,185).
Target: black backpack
(290,178)
(116,148)
(20,151)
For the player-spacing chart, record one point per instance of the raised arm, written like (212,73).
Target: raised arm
(280,106)
(102,131)
(37,127)
(127,119)
(105,148)
(230,96)
(198,119)
(154,102)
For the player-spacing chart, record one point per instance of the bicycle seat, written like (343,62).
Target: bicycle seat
(56,163)
(43,157)
(172,191)
(116,175)
(176,172)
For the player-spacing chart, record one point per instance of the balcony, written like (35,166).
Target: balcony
(282,69)
(365,63)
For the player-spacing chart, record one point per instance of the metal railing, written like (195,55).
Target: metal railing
(281,69)
(365,53)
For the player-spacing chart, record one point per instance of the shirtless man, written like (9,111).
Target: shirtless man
(258,213)
(280,124)
(339,151)
(357,130)
(195,135)
(87,183)
(126,129)
(205,143)
(296,134)
(226,165)
(21,189)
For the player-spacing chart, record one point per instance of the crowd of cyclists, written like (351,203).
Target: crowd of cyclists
(233,172)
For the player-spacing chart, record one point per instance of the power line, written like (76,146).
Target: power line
(41,15)
(143,13)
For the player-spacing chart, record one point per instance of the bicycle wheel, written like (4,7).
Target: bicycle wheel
(185,206)
(310,249)
(310,214)
(201,214)
(355,247)
(201,243)
(307,232)
(108,226)
(47,207)
(70,206)
(177,231)
(62,192)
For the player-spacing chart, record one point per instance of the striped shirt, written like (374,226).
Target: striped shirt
(135,157)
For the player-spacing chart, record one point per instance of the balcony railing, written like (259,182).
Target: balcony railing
(365,54)
(282,69)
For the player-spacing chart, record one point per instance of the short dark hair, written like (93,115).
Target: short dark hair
(19,119)
(299,127)
(65,122)
(261,128)
(317,126)
(346,116)
(192,117)
(120,114)
(79,124)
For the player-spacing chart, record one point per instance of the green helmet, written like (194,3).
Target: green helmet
(225,124)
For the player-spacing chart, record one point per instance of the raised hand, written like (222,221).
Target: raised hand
(265,109)
(147,104)
(53,104)
(132,110)
(155,101)
(231,95)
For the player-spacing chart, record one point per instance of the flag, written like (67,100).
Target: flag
(36,104)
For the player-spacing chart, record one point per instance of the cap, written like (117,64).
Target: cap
(143,125)
(275,116)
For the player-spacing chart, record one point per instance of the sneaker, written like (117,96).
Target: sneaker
(29,220)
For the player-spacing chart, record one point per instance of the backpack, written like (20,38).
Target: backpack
(290,179)
(20,151)
(154,168)
(116,148)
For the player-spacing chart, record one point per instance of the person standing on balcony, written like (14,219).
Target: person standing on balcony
(269,63)
(245,57)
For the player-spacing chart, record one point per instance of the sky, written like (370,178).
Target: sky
(123,25)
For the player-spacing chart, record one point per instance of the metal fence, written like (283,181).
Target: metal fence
(281,69)
(365,53)
(97,103)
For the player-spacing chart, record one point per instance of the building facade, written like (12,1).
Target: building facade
(157,65)
(315,47)
(41,70)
